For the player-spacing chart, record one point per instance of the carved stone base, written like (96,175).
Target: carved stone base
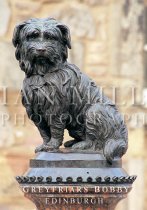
(65,180)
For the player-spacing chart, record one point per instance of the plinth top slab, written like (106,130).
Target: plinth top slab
(63,166)
(66,158)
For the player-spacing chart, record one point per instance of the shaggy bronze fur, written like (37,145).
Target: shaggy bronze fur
(58,96)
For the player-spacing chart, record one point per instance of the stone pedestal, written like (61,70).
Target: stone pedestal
(65,180)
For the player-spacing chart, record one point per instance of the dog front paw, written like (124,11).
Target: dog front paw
(54,143)
(51,145)
(44,148)
(40,148)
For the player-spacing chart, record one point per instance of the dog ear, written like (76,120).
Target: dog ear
(66,34)
(16,34)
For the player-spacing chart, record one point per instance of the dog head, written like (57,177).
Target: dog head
(41,45)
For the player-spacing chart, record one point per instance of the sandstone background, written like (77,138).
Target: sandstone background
(109,43)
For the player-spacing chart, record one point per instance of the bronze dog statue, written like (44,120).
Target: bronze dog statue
(58,96)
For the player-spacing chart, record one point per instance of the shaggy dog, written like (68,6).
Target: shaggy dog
(58,96)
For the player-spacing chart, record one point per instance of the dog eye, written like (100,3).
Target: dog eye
(46,36)
(33,35)
(49,37)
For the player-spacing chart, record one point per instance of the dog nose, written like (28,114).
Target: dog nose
(41,50)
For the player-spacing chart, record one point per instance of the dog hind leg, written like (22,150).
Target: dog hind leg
(70,143)
(82,141)
(105,127)
(83,145)
(77,135)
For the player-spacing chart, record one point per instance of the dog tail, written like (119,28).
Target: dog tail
(114,149)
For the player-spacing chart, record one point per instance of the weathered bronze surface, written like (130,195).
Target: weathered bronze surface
(58,96)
